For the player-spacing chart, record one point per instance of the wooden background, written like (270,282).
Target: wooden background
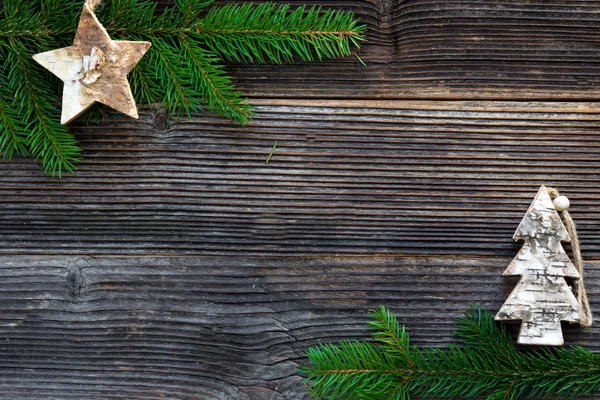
(177,264)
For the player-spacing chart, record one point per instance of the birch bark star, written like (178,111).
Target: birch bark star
(94,69)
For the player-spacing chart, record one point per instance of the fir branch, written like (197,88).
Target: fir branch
(132,14)
(39,20)
(386,329)
(480,333)
(215,86)
(12,132)
(189,11)
(34,127)
(487,366)
(182,69)
(174,83)
(271,33)
(140,80)
(12,129)
(47,140)
(60,17)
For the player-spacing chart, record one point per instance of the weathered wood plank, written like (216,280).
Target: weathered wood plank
(362,177)
(220,327)
(452,49)
(347,177)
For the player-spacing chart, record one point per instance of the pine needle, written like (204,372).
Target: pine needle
(486,366)
(271,153)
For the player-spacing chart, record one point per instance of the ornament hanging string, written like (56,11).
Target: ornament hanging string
(585,313)
(92,3)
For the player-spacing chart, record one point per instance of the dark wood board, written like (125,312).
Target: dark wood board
(178,264)
(220,327)
(452,49)
(347,177)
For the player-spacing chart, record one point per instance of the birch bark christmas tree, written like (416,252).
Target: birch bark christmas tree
(542,297)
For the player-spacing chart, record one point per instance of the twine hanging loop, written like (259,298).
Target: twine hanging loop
(92,4)
(585,313)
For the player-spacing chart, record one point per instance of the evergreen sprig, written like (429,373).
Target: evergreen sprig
(29,120)
(183,68)
(486,366)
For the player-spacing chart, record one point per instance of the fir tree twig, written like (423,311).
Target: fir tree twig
(270,33)
(488,365)
(47,139)
(12,129)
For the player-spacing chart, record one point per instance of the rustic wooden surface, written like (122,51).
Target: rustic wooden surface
(218,327)
(177,264)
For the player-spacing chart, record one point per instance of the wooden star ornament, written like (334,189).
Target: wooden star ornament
(94,68)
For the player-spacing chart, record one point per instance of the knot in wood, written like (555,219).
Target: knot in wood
(161,120)
(75,281)
(92,66)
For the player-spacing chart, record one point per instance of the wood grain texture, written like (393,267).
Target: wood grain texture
(219,327)
(452,49)
(410,170)
(347,177)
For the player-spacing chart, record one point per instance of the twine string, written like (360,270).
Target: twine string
(585,313)
(92,4)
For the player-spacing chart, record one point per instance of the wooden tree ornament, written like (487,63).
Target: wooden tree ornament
(542,297)
(94,68)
